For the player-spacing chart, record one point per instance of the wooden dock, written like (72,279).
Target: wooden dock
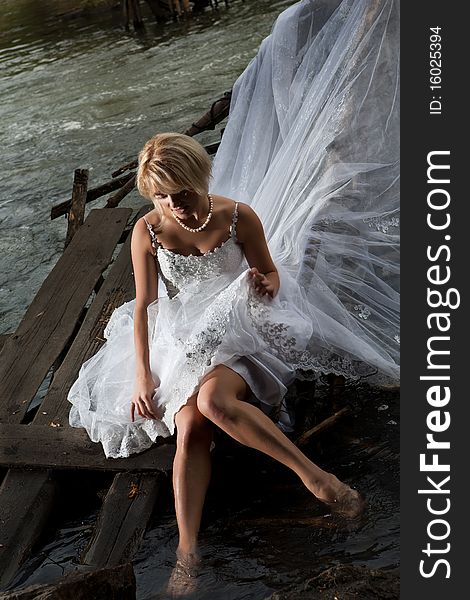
(57,334)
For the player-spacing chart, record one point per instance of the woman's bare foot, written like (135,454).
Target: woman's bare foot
(341,499)
(183,577)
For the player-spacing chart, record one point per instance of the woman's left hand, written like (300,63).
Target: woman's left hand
(260,282)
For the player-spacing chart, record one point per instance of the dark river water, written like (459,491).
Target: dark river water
(261,531)
(79,92)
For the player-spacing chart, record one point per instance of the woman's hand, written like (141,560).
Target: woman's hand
(261,283)
(142,398)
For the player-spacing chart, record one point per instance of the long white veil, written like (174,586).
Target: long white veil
(312,145)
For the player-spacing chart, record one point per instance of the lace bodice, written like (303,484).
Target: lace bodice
(178,270)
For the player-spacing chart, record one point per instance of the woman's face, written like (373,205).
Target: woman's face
(180,203)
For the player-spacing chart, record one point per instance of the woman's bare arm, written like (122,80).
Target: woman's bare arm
(250,233)
(146,291)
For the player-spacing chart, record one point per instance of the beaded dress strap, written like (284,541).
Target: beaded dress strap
(155,242)
(233,226)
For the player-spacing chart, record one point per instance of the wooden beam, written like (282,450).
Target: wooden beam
(123,519)
(323,425)
(50,320)
(92,194)
(117,583)
(116,198)
(20,528)
(40,447)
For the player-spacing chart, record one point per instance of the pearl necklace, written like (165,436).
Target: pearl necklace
(204,225)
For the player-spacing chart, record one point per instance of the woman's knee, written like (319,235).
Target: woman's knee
(192,428)
(212,405)
(218,391)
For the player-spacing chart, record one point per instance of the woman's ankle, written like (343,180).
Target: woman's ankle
(327,488)
(188,551)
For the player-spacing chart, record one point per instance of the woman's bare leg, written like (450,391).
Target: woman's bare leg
(221,400)
(191,473)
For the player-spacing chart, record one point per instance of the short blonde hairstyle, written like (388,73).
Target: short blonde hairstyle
(170,163)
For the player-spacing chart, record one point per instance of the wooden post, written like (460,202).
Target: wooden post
(76,213)
(131,10)
(161,9)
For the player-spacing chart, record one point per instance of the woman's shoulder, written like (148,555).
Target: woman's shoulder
(153,218)
(248,222)
(141,234)
(228,205)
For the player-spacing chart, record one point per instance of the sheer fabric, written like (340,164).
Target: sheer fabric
(312,145)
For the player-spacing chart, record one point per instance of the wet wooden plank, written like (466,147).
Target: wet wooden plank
(117,583)
(20,528)
(51,318)
(125,513)
(37,446)
(15,509)
(3,339)
(117,288)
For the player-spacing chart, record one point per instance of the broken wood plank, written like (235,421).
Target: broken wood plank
(323,426)
(51,318)
(123,519)
(76,213)
(92,194)
(116,198)
(20,528)
(218,111)
(117,583)
(118,287)
(106,227)
(37,446)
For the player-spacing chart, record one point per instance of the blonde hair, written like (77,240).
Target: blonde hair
(170,163)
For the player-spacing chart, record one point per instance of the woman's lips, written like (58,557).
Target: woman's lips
(179,210)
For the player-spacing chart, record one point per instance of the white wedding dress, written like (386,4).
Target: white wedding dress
(311,143)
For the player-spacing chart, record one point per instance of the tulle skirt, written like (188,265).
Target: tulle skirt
(202,327)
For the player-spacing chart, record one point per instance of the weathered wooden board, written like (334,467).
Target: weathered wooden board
(124,515)
(117,583)
(19,527)
(15,505)
(37,446)
(3,339)
(117,288)
(51,318)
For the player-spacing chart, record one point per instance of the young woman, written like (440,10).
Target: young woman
(288,267)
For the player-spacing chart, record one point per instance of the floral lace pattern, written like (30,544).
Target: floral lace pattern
(200,350)
(324,360)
